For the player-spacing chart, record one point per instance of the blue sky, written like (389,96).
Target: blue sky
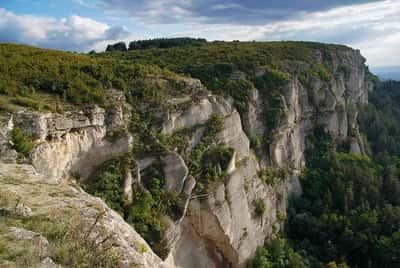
(82,25)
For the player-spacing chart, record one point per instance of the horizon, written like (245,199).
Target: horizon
(84,25)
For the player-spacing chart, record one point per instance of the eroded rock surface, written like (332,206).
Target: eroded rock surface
(48,199)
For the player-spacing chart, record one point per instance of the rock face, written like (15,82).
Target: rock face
(224,224)
(221,228)
(49,198)
(70,142)
(175,172)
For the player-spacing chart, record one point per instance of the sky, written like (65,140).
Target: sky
(84,25)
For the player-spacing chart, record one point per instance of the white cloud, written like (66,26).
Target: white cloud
(225,6)
(382,50)
(373,27)
(72,33)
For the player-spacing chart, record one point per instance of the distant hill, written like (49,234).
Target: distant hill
(387,72)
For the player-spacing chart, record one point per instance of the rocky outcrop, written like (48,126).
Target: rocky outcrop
(223,225)
(35,238)
(197,113)
(74,142)
(61,198)
(175,172)
(331,104)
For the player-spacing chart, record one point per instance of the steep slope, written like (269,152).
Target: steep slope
(205,177)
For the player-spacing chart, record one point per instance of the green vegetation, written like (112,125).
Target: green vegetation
(271,85)
(22,143)
(166,43)
(380,119)
(255,142)
(108,183)
(260,207)
(214,162)
(345,215)
(72,241)
(319,70)
(26,73)
(273,176)
(277,254)
(120,46)
(213,126)
(149,204)
(206,161)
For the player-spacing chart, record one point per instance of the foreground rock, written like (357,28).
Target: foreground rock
(21,182)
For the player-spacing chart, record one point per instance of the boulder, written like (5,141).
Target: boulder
(175,171)
(22,210)
(39,241)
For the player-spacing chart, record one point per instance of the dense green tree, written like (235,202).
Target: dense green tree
(120,46)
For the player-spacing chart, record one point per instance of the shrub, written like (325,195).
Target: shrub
(272,176)
(272,79)
(240,92)
(31,103)
(143,248)
(281,215)
(259,207)
(214,163)
(4,106)
(277,253)
(320,71)
(213,126)
(150,201)
(73,241)
(76,244)
(107,184)
(255,141)
(22,142)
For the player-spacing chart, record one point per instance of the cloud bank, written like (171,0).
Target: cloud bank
(372,26)
(249,12)
(74,33)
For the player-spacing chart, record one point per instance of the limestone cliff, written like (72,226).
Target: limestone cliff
(221,228)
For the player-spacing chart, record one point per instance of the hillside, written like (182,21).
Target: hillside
(222,154)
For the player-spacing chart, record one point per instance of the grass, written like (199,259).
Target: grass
(22,253)
(74,241)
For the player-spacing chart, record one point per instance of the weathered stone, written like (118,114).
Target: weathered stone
(37,240)
(190,183)
(146,162)
(127,186)
(48,263)
(233,136)
(232,164)
(197,114)
(22,210)
(175,172)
